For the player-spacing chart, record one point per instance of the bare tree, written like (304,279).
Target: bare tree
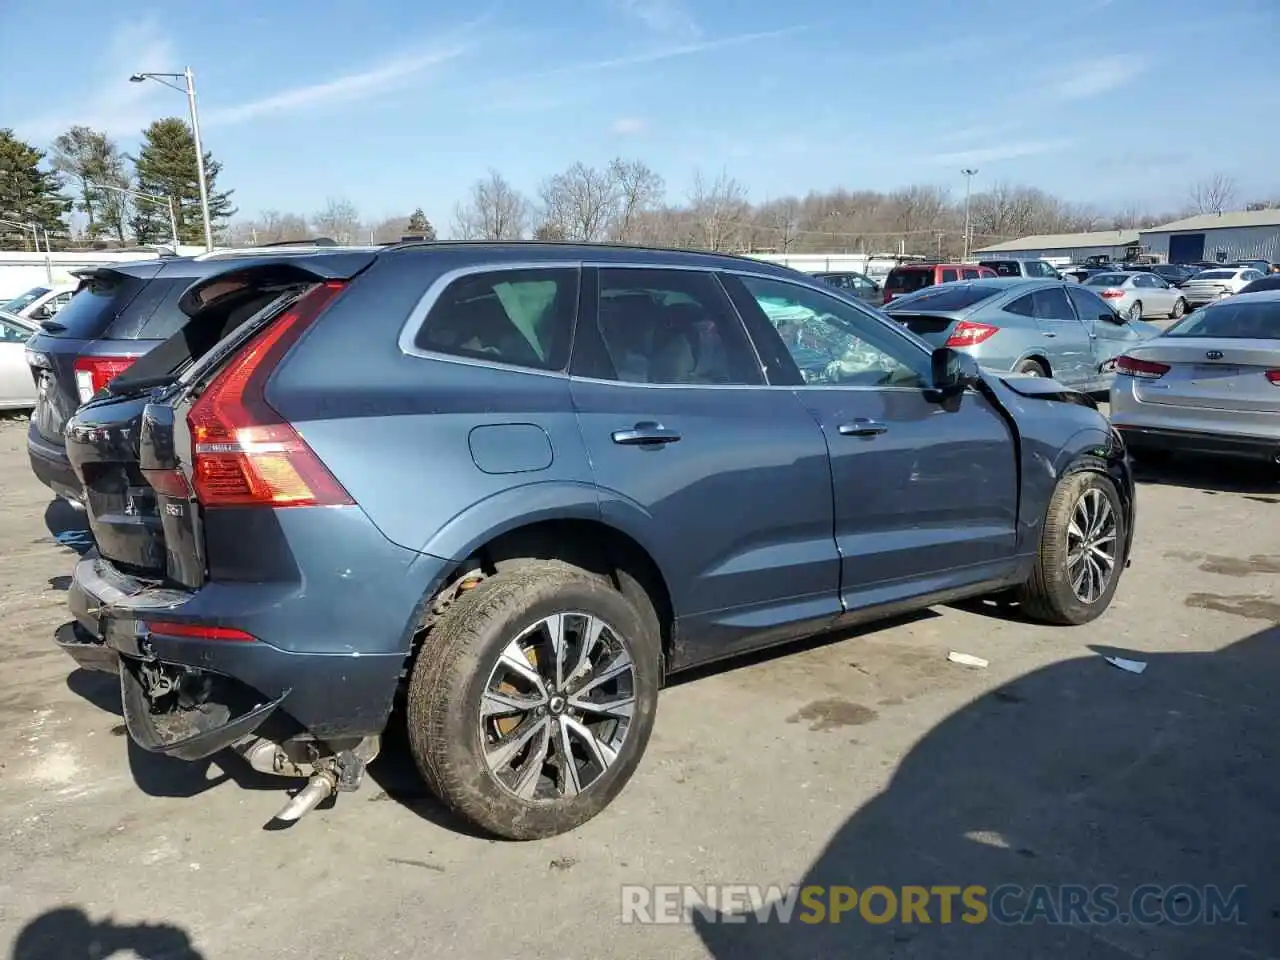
(494,211)
(388,229)
(1213,194)
(780,223)
(339,220)
(639,192)
(581,202)
(719,209)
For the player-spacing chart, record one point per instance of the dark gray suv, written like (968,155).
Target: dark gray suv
(519,485)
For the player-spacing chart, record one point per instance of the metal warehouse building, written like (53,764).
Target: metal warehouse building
(1239,235)
(1116,244)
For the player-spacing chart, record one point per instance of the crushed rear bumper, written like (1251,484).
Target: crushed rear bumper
(190,698)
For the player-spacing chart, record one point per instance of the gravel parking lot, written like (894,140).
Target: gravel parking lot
(866,759)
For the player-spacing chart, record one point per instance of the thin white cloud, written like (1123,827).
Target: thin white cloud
(1092,78)
(629,126)
(668,18)
(108,101)
(997,152)
(347,88)
(667,52)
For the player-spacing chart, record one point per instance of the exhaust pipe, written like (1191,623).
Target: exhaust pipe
(318,788)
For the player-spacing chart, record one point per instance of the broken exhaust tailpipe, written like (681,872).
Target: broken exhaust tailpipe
(316,791)
(329,768)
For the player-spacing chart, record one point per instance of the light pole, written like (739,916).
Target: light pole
(154,198)
(189,89)
(968,183)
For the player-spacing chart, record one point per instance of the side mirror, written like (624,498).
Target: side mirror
(953,371)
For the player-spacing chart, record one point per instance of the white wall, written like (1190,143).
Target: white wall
(21,270)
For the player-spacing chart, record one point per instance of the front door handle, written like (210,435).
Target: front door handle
(645,433)
(1048,334)
(862,427)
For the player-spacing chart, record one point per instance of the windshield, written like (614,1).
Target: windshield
(948,296)
(24,299)
(1216,275)
(1106,280)
(1233,321)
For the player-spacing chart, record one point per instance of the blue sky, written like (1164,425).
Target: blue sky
(405,104)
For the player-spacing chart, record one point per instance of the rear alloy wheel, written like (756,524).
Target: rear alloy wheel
(1031,368)
(1081,552)
(1179,309)
(533,698)
(1135,311)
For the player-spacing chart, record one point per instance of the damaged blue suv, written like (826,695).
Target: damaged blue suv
(513,487)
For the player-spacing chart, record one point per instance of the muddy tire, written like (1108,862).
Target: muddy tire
(532,699)
(1081,552)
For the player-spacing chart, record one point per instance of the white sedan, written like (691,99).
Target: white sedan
(40,303)
(17,386)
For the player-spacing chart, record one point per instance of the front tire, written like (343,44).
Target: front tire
(1179,309)
(1081,552)
(532,699)
(1135,311)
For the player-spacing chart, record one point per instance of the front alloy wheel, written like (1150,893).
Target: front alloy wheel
(1091,545)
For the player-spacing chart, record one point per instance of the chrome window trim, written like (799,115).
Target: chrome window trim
(418,315)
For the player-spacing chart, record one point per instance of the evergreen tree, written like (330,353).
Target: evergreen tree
(420,226)
(166,166)
(28,194)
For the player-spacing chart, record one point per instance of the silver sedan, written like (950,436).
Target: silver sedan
(17,387)
(1209,384)
(1136,295)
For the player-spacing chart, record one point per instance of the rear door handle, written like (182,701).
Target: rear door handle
(862,427)
(645,433)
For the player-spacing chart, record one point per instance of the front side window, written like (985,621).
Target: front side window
(1090,306)
(24,299)
(835,343)
(670,327)
(12,333)
(518,317)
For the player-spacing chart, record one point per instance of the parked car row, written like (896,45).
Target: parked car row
(515,487)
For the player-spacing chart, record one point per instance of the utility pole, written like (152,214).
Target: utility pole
(968,184)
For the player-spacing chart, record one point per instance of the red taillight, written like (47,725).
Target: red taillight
(1142,369)
(244,453)
(197,631)
(94,373)
(1274,376)
(969,333)
(1111,294)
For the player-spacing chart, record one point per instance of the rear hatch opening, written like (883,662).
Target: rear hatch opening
(186,431)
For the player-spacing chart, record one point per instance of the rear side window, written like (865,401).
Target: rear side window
(909,280)
(949,276)
(670,327)
(519,317)
(971,273)
(1004,268)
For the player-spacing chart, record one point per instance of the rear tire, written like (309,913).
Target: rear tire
(492,723)
(1069,585)
(1031,368)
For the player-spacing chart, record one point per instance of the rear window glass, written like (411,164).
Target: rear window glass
(1216,275)
(1232,321)
(1003,268)
(520,317)
(909,279)
(950,296)
(24,299)
(95,307)
(1106,280)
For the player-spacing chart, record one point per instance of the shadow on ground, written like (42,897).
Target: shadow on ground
(69,526)
(1080,773)
(1212,475)
(67,933)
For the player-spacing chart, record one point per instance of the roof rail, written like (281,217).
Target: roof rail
(317,242)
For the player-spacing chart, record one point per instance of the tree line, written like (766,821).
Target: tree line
(124,198)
